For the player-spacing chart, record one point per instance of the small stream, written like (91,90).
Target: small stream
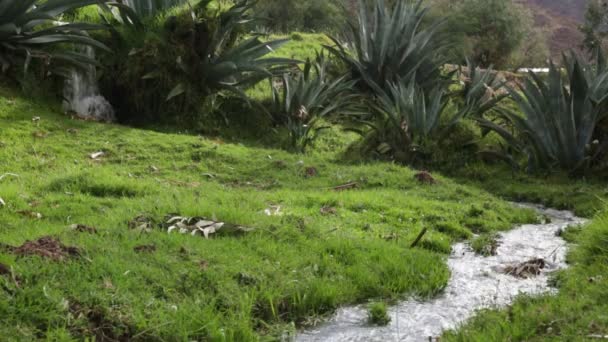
(476,282)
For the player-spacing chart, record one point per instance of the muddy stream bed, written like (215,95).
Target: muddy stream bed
(476,282)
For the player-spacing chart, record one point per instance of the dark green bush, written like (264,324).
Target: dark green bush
(295,15)
(174,70)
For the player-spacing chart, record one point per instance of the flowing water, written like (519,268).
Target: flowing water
(82,96)
(476,282)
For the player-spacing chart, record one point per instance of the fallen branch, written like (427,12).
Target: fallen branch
(420,236)
(346,186)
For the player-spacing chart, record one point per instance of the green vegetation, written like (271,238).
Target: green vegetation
(495,32)
(309,16)
(182,66)
(294,266)
(560,117)
(485,244)
(159,233)
(585,197)
(576,313)
(389,45)
(595,19)
(301,101)
(25,34)
(377,314)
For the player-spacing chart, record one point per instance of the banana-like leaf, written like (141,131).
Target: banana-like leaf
(179,89)
(29,27)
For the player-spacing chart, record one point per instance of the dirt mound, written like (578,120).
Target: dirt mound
(45,247)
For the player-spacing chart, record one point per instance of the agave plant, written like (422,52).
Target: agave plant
(28,30)
(402,118)
(405,118)
(481,89)
(302,100)
(391,45)
(559,116)
(218,61)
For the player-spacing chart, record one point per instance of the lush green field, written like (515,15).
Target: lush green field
(327,247)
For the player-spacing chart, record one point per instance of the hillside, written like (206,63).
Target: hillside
(560,19)
(307,248)
(572,9)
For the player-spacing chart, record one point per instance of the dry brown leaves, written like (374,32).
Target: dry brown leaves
(202,226)
(530,268)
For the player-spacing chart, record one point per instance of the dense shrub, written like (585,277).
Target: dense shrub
(293,15)
(493,32)
(174,69)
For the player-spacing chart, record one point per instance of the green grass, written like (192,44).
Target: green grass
(300,46)
(485,244)
(378,314)
(577,313)
(586,197)
(290,270)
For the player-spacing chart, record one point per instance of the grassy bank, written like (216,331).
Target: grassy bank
(577,313)
(586,197)
(324,248)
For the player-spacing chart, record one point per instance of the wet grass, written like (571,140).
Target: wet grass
(485,244)
(378,314)
(577,313)
(327,248)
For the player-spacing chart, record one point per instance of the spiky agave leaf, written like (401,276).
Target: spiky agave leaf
(559,115)
(391,45)
(307,97)
(404,116)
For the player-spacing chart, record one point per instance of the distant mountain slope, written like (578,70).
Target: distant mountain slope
(573,9)
(561,20)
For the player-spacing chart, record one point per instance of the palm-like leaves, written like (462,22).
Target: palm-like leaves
(392,45)
(27,30)
(559,115)
(303,99)
(217,63)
